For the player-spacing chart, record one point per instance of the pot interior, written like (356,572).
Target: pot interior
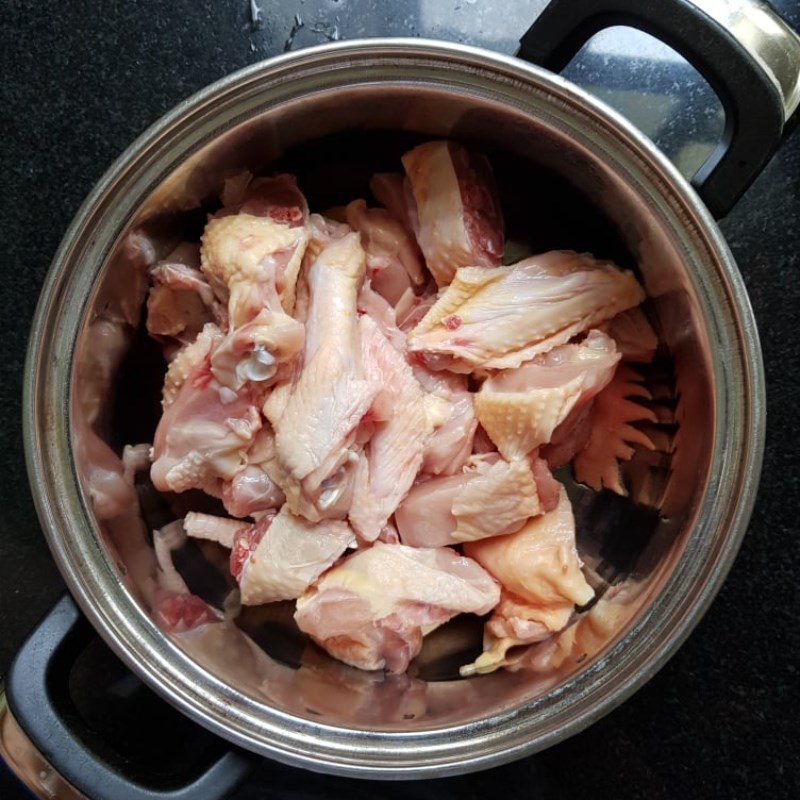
(558,190)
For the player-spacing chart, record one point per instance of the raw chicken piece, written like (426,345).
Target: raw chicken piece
(279,557)
(499,499)
(539,563)
(247,259)
(540,567)
(612,435)
(252,264)
(204,434)
(393,261)
(451,444)
(315,433)
(276,198)
(498,318)
(460,223)
(636,340)
(251,491)
(188,359)
(425,518)
(213,529)
(370,611)
(323,231)
(393,192)
(394,453)
(491,497)
(521,408)
(513,623)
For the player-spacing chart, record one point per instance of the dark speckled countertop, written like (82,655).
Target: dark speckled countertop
(82,79)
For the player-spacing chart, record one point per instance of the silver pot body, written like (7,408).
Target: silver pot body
(314,712)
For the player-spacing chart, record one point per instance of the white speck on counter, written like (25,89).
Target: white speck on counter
(256,19)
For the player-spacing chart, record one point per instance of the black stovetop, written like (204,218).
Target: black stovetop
(82,79)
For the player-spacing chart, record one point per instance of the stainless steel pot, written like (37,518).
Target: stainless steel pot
(335,103)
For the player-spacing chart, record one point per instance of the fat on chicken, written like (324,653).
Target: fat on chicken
(520,409)
(460,222)
(372,610)
(499,317)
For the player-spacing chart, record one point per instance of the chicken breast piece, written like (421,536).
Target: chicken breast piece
(315,433)
(394,452)
(279,557)
(370,610)
(460,223)
(490,498)
(521,408)
(500,317)
(539,569)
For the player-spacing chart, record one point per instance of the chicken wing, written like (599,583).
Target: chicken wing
(498,318)
(316,429)
(394,452)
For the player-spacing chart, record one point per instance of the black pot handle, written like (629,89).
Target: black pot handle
(37,689)
(751,59)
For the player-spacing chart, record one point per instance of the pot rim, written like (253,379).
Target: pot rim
(294,740)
